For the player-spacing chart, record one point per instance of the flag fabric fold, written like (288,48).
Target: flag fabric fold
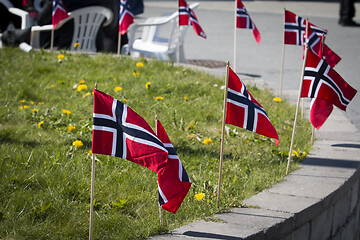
(119,131)
(320,110)
(187,17)
(321,81)
(294,27)
(244,111)
(315,42)
(243,20)
(58,12)
(174,184)
(126,17)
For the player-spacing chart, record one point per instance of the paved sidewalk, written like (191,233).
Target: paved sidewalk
(335,156)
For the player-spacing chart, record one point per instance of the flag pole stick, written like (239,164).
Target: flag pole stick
(160,209)
(179,37)
(223,134)
(92,193)
(298,101)
(282,60)
(119,44)
(234,65)
(52,39)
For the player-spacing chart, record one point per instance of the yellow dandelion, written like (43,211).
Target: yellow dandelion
(40,103)
(200,196)
(26,106)
(191,136)
(207,141)
(52,85)
(86,95)
(135,74)
(40,124)
(139,64)
(117,89)
(90,152)
(67,112)
(186,98)
(190,126)
(159,98)
(60,57)
(76,45)
(32,102)
(35,110)
(295,153)
(71,128)
(148,85)
(21,107)
(77,143)
(81,87)
(125,100)
(277,99)
(22,101)
(82,82)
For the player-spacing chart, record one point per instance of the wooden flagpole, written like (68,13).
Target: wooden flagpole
(160,209)
(282,60)
(179,37)
(298,102)
(52,39)
(234,65)
(223,134)
(119,44)
(92,193)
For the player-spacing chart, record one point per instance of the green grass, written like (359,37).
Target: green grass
(45,181)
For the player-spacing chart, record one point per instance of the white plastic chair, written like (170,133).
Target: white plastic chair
(151,44)
(87,22)
(26,21)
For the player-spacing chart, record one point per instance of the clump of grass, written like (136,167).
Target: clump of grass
(46,106)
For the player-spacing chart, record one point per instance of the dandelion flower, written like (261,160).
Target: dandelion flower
(52,85)
(186,98)
(40,124)
(26,106)
(117,89)
(71,128)
(148,85)
(139,64)
(67,112)
(86,94)
(200,196)
(77,143)
(295,153)
(32,102)
(82,82)
(21,107)
(35,110)
(277,99)
(60,57)
(207,141)
(125,100)
(191,135)
(22,101)
(135,74)
(81,87)
(90,152)
(76,45)
(159,98)
(40,103)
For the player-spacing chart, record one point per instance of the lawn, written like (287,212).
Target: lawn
(46,104)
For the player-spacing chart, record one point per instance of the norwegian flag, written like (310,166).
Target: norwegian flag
(294,28)
(187,17)
(58,12)
(174,184)
(244,111)
(126,17)
(321,81)
(320,110)
(315,42)
(243,20)
(119,131)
